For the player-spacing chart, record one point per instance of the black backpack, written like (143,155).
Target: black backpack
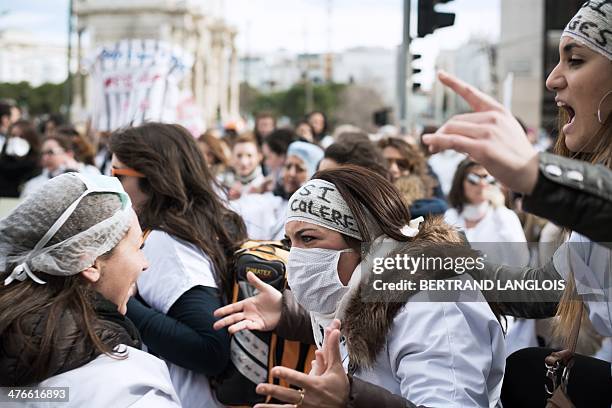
(254,353)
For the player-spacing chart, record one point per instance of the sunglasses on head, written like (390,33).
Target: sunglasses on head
(117,172)
(475,179)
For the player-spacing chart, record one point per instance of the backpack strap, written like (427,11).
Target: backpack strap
(563,358)
(271,361)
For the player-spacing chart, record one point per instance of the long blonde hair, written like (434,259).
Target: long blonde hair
(570,304)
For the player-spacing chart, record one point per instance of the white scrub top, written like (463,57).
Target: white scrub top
(175,266)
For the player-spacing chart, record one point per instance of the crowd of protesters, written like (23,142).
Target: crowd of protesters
(116,262)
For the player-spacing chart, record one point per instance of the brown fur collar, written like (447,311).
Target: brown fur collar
(366,324)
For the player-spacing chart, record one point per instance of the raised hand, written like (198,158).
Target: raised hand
(326,386)
(491,136)
(260,312)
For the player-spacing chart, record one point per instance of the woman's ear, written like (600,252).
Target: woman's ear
(92,273)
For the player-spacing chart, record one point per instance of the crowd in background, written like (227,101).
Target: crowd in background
(178,206)
(258,170)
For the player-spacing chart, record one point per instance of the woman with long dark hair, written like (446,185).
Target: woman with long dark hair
(191,241)
(401,348)
(320,125)
(478,209)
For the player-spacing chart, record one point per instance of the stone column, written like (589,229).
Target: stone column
(234,93)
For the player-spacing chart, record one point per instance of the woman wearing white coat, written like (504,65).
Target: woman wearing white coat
(582,81)
(475,208)
(69,256)
(473,197)
(397,351)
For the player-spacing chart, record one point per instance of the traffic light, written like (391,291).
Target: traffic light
(429,19)
(381,117)
(413,58)
(415,70)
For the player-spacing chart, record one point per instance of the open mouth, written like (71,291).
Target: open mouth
(569,110)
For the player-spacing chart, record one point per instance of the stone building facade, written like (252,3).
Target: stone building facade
(197,26)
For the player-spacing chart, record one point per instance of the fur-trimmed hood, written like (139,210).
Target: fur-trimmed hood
(366,324)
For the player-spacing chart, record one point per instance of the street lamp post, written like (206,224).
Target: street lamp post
(68,87)
(403,80)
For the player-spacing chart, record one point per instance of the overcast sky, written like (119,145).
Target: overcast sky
(299,25)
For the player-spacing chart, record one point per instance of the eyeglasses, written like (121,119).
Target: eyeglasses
(403,164)
(125,171)
(475,179)
(52,152)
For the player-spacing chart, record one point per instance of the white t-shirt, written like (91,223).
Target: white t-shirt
(140,380)
(175,266)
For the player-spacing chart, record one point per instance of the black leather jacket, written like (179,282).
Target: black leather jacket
(574,194)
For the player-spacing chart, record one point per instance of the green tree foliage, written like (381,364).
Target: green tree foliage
(292,102)
(46,98)
(248,96)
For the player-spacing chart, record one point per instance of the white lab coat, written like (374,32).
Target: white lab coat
(442,354)
(501,225)
(140,380)
(591,265)
(263,214)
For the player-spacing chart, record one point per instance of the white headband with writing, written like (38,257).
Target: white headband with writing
(319,202)
(592,26)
